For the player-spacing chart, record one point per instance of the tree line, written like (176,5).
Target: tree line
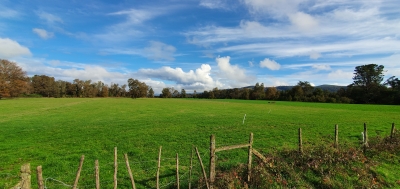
(367,87)
(15,83)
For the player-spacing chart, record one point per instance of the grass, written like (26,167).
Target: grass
(54,133)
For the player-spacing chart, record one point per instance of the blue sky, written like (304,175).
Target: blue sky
(201,44)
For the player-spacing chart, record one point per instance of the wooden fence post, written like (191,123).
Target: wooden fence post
(97,173)
(129,171)
(190,168)
(40,177)
(202,168)
(365,145)
(250,157)
(300,142)
(336,136)
(25,177)
(25,182)
(115,168)
(177,171)
(158,169)
(212,161)
(392,131)
(78,173)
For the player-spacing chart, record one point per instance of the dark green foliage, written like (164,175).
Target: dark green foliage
(366,86)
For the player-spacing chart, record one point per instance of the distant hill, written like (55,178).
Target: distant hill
(330,88)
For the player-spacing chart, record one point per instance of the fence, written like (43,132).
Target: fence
(25,182)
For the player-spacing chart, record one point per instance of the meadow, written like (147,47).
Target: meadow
(55,133)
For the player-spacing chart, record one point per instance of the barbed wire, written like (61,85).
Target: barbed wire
(62,183)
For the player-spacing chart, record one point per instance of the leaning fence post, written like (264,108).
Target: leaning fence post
(202,168)
(212,161)
(78,173)
(300,142)
(158,169)
(392,131)
(39,177)
(129,171)
(336,136)
(250,157)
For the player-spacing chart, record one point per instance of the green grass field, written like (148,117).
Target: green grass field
(55,133)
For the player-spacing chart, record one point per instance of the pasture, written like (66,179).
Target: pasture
(55,133)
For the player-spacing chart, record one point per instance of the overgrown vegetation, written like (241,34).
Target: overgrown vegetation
(320,166)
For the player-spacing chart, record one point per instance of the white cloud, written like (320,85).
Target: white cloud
(321,67)
(199,80)
(68,71)
(270,64)
(232,72)
(303,21)
(43,33)
(251,63)
(7,13)
(340,75)
(201,75)
(132,26)
(137,16)
(314,55)
(214,4)
(159,51)
(10,49)
(333,49)
(277,8)
(50,18)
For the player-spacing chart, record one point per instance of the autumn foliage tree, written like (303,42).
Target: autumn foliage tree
(137,89)
(13,80)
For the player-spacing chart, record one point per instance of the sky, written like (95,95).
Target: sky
(201,44)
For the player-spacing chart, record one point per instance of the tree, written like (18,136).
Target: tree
(183,93)
(151,93)
(258,92)
(245,94)
(393,82)
(166,93)
(271,93)
(306,86)
(44,85)
(13,80)
(175,94)
(137,89)
(104,91)
(367,83)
